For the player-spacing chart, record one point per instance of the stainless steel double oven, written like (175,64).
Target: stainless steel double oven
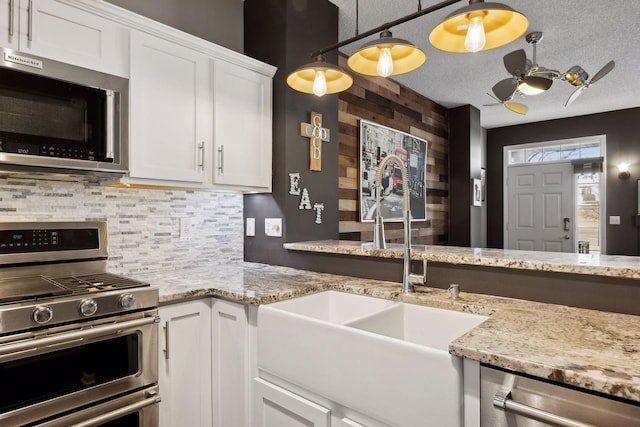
(78,345)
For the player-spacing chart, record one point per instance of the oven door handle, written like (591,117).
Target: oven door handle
(117,413)
(36,343)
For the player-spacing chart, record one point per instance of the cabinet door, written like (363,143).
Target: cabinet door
(170,104)
(64,33)
(242,126)
(277,407)
(230,363)
(185,364)
(9,25)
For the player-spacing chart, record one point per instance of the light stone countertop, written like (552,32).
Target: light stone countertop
(621,266)
(589,349)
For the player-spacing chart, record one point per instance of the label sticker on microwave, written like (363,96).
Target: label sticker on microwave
(22,60)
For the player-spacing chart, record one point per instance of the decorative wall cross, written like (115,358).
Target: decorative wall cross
(317,134)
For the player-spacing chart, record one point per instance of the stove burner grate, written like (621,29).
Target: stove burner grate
(95,283)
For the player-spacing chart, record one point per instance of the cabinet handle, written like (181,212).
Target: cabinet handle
(30,22)
(201,155)
(503,400)
(221,160)
(11,8)
(166,340)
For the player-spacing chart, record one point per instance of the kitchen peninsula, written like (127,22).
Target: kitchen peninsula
(601,282)
(589,349)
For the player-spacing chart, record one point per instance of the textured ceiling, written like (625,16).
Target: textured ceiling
(588,33)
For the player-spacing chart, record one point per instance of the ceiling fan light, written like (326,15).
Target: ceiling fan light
(309,78)
(501,24)
(529,89)
(404,57)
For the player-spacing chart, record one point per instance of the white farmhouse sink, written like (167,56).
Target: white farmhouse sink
(426,326)
(389,361)
(332,306)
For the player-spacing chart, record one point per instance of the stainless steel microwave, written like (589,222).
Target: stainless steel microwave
(58,119)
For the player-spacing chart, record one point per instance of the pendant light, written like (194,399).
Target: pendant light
(477,27)
(319,78)
(387,56)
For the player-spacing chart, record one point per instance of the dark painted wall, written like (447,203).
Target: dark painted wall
(218,21)
(584,291)
(283,33)
(622,145)
(465,161)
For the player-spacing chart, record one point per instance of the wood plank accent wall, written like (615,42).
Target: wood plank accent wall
(391,104)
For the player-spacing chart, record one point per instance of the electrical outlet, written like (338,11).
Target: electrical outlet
(614,220)
(273,227)
(251,227)
(187,228)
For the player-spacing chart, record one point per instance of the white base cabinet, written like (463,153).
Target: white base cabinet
(277,407)
(206,363)
(185,364)
(277,403)
(230,362)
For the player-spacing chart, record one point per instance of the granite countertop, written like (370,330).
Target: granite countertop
(627,267)
(589,349)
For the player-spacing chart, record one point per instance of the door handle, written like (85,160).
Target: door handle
(566,237)
(221,160)
(30,22)
(567,224)
(11,23)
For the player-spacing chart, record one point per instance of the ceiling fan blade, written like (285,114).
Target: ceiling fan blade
(495,104)
(516,107)
(541,83)
(603,72)
(504,89)
(515,62)
(576,93)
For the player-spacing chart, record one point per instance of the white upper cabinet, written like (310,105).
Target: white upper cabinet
(58,31)
(169,111)
(242,127)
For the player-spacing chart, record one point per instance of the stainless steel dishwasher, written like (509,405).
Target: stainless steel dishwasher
(508,399)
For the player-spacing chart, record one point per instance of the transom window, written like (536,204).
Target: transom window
(554,153)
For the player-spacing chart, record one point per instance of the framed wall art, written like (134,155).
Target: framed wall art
(377,142)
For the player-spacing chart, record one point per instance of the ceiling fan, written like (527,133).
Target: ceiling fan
(529,78)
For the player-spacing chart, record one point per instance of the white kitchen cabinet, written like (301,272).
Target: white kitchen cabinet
(185,364)
(242,127)
(65,33)
(230,363)
(169,110)
(277,407)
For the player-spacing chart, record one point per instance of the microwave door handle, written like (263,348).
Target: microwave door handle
(117,413)
(34,344)
(110,125)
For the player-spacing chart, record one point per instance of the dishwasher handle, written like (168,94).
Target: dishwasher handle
(503,399)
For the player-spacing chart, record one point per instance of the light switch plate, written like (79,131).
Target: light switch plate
(273,227)
(251,227)
(614,220)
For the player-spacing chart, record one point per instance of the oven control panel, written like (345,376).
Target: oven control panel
(44,240)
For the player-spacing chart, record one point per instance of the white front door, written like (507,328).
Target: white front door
(540,207)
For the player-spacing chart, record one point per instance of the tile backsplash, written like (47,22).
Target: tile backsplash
(143,224)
